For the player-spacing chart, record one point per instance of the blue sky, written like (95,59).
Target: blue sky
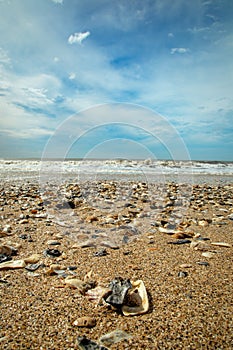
(60,58)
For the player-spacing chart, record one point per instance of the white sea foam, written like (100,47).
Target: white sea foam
(19,169)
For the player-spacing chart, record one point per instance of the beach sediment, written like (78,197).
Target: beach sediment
(176,239)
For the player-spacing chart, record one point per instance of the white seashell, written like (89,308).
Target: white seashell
(221,244)
(16,264)
(208,255)
(136,302)
(114,337)
(97,294)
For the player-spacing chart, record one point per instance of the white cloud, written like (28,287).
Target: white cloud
(78,37)
(180,50)
(72,76)
(170,35)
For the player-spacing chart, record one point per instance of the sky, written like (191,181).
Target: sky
(126,78)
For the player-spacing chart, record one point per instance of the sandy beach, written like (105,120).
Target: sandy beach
(183,257)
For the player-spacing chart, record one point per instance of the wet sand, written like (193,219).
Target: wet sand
(190,295)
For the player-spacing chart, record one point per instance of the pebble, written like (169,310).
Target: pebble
(180,241)
(186,266)
(52,242)
(101,252)
(85,321)
(182,274)
(204,263)
(87,344)
(32,259)
(54,253)
(4,257)
(32,267)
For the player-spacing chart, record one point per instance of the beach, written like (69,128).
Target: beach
(175,237)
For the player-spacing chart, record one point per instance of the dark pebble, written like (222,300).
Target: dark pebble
(87,344)
(54,253)
(101,252)
(119,288)
(204,263)
(72,268)
(180,241)
(4,257)
(32,267)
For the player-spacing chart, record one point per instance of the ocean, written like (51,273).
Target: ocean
(149,170)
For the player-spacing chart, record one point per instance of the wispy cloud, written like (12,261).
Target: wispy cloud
(181,50)
(78,37)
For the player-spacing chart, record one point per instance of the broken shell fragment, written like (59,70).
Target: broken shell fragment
(85,321)
(82,286)
(208,255)
(16,264)
(221,244)
(119,288)
(114,337)
(97,294)
(87,344)
(136,301)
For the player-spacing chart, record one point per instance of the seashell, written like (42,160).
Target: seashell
(168,231)
(16,264)
(208,255)
(32,259)
(137,302)
(6,250)
(97,294)
(119,288)
(85,321)
(221,244)
(114,337)
(82,286)
(87,344)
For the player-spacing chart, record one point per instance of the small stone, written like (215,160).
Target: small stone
(54,253)
(4,257)
(32,267)
(204,263)
(182,274)
(33,259)
(180,241)
(203,223)
(86,321)
(52,242)
(7,229)
(185,266)
(101,252)
(87,344)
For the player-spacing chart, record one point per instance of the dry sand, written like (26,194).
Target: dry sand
(191,311)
